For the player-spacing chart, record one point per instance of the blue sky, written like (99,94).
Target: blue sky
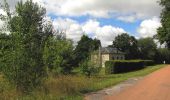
(102,19)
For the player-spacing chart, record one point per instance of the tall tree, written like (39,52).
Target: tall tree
(24,64)
(164,31)
(147,48)
(85,46)
(127,44)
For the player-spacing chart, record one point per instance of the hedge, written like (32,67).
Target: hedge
(148,62)
(122,66)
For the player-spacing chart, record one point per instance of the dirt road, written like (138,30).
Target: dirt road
(155,86)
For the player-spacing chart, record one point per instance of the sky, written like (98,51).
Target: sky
(102,19)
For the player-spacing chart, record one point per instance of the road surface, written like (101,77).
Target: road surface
(155,86)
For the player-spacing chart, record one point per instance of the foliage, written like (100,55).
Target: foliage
(22,58)
(164,31)
(52,88)
(127,44)
(148,62)
(58,55)
(147,48)
(120,66)
(89,68)
(162,54)
(85,46)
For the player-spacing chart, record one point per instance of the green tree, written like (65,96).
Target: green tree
(164,31)
(127,44)
(85,46)
(147,48)
(58,55)
(162,54)
(23,60)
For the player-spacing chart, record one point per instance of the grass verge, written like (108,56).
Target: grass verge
(72,87)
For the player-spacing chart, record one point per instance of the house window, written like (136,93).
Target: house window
(117,57)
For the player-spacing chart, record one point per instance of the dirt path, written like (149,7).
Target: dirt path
(100,95)
(155,86)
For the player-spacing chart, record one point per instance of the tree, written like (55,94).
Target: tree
(127,44)
(147,48)
(164,31)
(162,54)
(58,55)
(23,60)
(85,46)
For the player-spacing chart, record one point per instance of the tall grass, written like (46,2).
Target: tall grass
(70,87)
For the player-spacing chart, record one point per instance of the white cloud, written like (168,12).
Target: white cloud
(91,26)
(127,10)
(127,18)
(148,28)
(108,33)
(124,10)
(74,30)
(71,27)
(132,17)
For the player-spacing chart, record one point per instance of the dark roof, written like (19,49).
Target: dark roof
(109,50)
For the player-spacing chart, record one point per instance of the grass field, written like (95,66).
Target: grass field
(71,87)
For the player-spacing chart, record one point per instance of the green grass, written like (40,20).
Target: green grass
(72,87)
(109,80)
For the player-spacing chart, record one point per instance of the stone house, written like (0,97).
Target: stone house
(106,54)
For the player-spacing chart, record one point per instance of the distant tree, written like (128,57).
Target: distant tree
(147,48)
(96,44)
(164,31)
(127,44)
(85,46)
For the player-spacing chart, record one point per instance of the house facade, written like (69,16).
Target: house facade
(106,54)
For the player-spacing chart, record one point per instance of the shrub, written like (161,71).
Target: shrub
(122,66)
(89,68)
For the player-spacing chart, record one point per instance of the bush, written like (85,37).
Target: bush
(89,68)
(122,66)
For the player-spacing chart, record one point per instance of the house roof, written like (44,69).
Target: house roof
(109,50)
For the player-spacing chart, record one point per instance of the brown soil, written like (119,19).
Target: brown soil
(155,86)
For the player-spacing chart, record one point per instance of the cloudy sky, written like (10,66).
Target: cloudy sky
(102,19)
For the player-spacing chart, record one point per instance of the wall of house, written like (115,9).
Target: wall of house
(105,57)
